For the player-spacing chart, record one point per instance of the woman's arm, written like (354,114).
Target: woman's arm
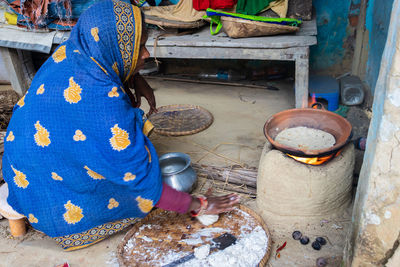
(181,202)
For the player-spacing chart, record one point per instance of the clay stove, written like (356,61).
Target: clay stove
(292,192)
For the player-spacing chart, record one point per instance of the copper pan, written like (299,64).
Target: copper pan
(320,119)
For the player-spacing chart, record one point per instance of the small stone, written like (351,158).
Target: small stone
(321,262)
(304,240)
(321,240)
(316,245)
(297,235)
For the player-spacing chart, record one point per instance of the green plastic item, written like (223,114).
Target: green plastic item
(251,7)
(215,18)
(342,111)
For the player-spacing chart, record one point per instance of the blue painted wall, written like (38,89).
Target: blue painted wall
(336,22)
(333,32)
(377,24)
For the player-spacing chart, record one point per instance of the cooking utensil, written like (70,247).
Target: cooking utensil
(177,172)
(218,243)
(320,119)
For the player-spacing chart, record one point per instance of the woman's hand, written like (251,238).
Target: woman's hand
(142,88)
(216,205)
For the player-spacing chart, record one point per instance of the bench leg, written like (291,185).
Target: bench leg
(301,80)
(15,70)
(17,227)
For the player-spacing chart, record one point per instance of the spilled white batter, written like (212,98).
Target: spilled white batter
(248,251)
(305,138)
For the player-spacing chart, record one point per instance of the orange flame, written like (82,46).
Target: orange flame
(312,101)
(316,160)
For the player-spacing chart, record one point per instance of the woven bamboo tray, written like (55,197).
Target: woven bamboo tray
(166,23)
(181,119)
(241,28)
(123,258)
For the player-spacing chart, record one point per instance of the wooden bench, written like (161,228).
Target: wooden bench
(202,45)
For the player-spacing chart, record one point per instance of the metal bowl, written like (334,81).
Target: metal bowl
(177,172)
(320,119)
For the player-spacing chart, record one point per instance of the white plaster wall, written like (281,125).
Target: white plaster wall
(375,232)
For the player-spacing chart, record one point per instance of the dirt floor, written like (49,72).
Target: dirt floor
(236,136)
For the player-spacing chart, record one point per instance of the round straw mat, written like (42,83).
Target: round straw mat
(162,225)
(182,119)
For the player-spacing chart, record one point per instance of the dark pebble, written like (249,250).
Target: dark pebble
(304,240)
(316,245)
(321,240)
(296,235)
(321,262)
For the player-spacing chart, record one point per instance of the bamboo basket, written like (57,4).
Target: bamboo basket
(181,119)
(166,23)
(148,219)
(241,28)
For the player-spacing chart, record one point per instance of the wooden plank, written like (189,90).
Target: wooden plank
(61,36)
(15,70)
(204,39)
(361,50)
(225,53)
(301,79)
(308,27)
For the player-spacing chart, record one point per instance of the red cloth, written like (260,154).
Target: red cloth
(174,200)
(214,4)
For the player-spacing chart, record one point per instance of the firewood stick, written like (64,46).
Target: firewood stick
(227,175)
(268,87)
(250,191)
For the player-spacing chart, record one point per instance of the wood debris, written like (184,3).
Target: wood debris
(232,178)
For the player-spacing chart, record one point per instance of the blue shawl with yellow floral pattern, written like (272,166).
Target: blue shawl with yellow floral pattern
(75,155)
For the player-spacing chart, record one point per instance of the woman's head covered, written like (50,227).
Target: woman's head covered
(113,35)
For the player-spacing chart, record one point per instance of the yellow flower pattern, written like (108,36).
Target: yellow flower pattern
(10,137)
(21,101)
(95,33)
(73,93)
(115,68)
(60,54)
(40,90)
(93,174)
(20,178)
(79,136)
(73,213)
(32,218)
(148,152)
(120,139)
(145,205)
(42,136)
(77,51)
(113,92)
(56,177)
(129,177)
(112,203)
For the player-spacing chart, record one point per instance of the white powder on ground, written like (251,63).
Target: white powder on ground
(248,251)
(305,138)
(113,260)
(202,252)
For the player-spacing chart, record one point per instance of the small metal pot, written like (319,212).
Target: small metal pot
(177,172)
